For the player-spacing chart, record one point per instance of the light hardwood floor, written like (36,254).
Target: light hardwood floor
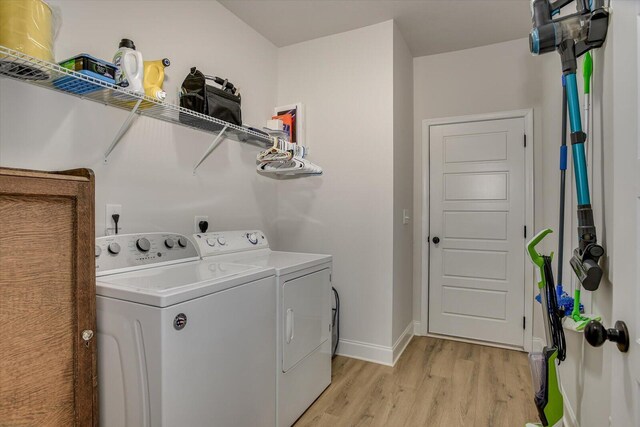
(435,383)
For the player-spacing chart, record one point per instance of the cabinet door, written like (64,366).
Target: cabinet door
(47,299)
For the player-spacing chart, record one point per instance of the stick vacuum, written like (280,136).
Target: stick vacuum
(572,36)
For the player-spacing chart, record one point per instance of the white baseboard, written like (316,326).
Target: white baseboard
(402,342)
(365,351)
(417,328)
(478,342)
(376,353)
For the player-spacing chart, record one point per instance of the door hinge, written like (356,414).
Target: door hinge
(525,140)
(525,231)
(524,322)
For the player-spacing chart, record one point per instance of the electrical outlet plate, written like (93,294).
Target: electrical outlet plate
(109,225)
(196,222)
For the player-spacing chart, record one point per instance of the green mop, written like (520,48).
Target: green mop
(544,374)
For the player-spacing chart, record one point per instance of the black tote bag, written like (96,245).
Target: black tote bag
(198,96)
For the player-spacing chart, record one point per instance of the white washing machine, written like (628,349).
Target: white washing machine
(304,314)
(182,341)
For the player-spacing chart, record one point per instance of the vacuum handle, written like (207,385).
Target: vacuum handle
(536,258)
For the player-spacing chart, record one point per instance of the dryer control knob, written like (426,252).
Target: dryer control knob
(114,248)
(253,238)
(211,242)
(222,241)
(182,242)
(169,243)
(98,251)
(143,244)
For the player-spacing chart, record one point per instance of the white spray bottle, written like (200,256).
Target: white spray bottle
(129,67)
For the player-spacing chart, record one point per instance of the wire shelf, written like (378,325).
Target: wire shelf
(18,66)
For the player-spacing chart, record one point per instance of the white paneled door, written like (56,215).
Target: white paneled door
(477,219)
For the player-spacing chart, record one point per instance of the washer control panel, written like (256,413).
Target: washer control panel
(127,251)
(224,242)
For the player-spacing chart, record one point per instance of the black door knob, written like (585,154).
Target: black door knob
(435,240)
(596,335)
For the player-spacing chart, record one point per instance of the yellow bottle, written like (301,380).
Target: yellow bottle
(27,26)
(154,78)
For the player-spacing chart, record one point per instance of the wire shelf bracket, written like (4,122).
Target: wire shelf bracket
(211,147)
(125,127)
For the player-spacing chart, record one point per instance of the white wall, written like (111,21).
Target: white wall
(499,77)
(149,173)
(402,186)
(346,82)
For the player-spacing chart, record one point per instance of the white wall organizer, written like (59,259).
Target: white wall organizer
(285,158)
(298,109)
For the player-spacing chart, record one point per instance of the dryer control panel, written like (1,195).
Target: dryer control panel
(226,242)
(123,252)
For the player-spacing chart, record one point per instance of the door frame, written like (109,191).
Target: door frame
(527,115)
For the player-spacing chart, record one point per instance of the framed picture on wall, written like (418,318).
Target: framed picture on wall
(292,116)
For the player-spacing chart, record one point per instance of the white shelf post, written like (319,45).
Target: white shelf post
(212,147)
(125,127)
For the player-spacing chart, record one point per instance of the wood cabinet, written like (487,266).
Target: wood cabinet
(48,373)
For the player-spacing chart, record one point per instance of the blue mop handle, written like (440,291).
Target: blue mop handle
(579,157)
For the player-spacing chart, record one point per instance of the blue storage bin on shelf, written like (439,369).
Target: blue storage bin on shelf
(89,66)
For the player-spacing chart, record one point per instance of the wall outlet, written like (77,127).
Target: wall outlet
(196,223)
(109,224)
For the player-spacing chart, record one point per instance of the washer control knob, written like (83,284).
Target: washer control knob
(114,248)
(211,242)
(253,238)
(169,243)
(98,251)
(222,241)
(182,242)
(143,244)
